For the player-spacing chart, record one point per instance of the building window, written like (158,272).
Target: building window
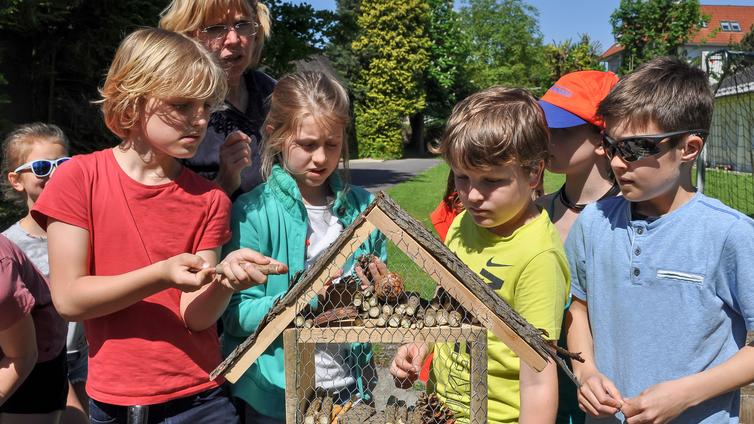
(734,26)
(703,23)
(725,26)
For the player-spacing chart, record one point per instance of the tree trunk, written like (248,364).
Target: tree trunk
(417,132)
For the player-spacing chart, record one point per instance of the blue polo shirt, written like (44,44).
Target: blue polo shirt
(667,297)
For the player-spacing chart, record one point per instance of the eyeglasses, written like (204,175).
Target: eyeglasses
(41,167)
(243,28)
(631,149)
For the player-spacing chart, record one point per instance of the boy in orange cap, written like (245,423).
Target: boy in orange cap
(570,108)
(575,150)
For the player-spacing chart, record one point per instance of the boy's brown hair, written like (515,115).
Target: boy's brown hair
(667,91)
(495,126)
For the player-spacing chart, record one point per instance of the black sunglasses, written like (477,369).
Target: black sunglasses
(631,149)
(41,167)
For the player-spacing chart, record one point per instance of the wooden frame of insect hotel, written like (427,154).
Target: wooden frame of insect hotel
(335,323)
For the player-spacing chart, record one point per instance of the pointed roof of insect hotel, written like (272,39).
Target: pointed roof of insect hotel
(465,287)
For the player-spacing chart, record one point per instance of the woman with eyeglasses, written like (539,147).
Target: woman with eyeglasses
(31,153)
(234,31)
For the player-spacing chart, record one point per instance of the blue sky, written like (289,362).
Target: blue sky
(563,19)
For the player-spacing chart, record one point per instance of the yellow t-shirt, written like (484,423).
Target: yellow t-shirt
(529,271)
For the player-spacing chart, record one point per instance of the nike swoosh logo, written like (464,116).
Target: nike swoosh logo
(495,282)
(490,263)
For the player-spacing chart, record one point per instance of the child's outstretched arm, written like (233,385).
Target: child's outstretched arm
(19,346)
(202,308)
(407,363)
(78,296)
(597,395)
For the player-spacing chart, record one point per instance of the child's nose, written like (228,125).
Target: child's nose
(201,117)
(319,155)
(617,162)
(475,195)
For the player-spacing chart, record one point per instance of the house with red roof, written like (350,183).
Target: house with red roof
(727,25)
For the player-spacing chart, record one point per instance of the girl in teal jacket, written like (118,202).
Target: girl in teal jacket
(300,209)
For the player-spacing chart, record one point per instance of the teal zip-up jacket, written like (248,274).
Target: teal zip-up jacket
(272,220)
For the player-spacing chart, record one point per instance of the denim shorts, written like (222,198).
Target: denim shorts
(78,365)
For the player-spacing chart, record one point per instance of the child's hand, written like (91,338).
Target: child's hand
(377,269)
(235,155)
(407,363)
(244,268)
(658,404)
(598,396)
(187,272)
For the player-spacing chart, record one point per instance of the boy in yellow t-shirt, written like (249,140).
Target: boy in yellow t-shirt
(496,144)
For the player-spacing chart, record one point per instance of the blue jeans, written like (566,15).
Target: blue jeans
(254,417)
(210,407)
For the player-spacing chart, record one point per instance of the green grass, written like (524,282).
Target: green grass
(734,189)
(419,196)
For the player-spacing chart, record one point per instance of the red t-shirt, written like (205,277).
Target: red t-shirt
(23,291)
(443,216)
(143,354)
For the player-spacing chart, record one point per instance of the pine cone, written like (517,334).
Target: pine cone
(389,287)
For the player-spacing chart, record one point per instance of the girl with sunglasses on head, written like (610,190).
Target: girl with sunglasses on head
(31,154)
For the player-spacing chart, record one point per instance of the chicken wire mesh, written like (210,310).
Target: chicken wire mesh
(726,167)
(343,345)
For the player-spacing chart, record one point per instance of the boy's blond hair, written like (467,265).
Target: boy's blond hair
(190,16)
(495,126)
(295,97)
(161,64)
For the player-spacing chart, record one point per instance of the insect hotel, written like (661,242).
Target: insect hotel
(340,332)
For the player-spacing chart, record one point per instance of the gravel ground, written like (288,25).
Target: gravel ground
(385,386)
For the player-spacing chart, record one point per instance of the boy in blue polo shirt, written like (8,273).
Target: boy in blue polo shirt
(662,278)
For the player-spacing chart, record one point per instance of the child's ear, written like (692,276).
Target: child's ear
(269,128)
(536,173)
(15,181)
(692,147)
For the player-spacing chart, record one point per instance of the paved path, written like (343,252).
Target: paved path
(377,175)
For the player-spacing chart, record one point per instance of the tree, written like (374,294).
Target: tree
(446,80)
(392,47)
(747,43)
(568,56)
(55,53)
(651,28)
(505,44)
(341,36)
(298,32)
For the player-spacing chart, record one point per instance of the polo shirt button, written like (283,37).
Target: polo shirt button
(636,272)
(637,251)
(640,230)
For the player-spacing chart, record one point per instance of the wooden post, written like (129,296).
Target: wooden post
(299,375)
(478,379)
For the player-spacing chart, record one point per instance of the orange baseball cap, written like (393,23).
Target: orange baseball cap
(574,98)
